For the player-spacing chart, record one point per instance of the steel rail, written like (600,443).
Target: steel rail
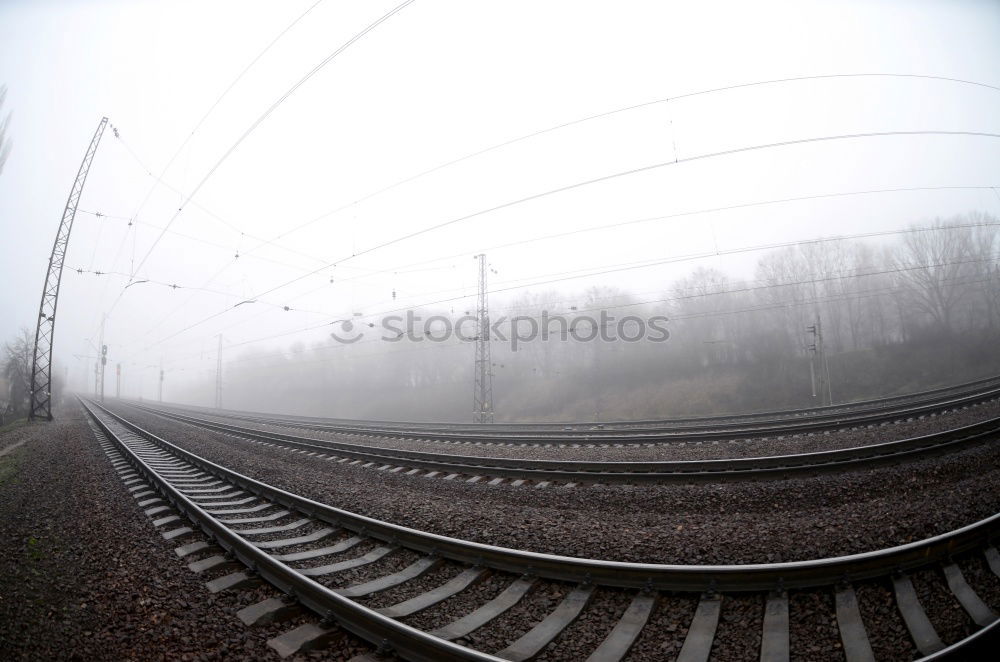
(583,471)
(352,616)
(724,431)
(930,396)
(686,578)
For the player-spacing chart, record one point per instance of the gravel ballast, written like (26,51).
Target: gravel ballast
(746,522)
(733,523)
(847,437)
(85,575)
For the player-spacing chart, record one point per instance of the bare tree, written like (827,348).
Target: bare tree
(933,266)
(5,143)
(17,373)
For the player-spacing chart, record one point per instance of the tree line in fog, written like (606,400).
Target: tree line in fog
(899,312)
(825,319)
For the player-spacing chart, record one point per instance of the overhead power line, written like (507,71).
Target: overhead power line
(738,289)
(159,179)
(267,113)
(605,178)
(254,125)
(592,117)
(211,109)
(860,294)
(573,275)
(609,113)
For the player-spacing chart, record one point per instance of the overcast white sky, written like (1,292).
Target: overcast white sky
(435,82)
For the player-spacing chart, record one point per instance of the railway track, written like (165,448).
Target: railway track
(537,472)
(336,564)
(715,431)
(877,410)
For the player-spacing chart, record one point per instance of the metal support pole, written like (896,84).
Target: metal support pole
(218,376)
(813,348)
(41,364)
(824,364)
(104,357)
(482,397)
(118,380)
(812,374)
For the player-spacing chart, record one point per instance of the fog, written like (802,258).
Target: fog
(452,129)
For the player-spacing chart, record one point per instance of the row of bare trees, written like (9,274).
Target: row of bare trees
(899,312)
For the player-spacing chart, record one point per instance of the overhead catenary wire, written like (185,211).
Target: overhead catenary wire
(623,109)
(572,275)
(208,212)
(626,173)
(635,106)
(404,269)
(174,286)
(588,118)
(211,109)
(741,288)
(861,294)
(267,113)
(613,112)
(597,180)
(201,240)
(188,199)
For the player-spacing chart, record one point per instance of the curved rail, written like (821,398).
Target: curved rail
(715,432)
(164,462)
(689,423)
(579,471)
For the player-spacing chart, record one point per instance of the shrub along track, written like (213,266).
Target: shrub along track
(393,585)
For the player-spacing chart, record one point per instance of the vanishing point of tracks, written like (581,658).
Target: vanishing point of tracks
(301,547)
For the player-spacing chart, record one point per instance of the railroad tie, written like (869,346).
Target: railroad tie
(268,611)
(236,580)
(278,528)
(698,642)
(253,520)
(971,603)
(922,632)
(774,639)
(356,562)
(323,551)
(617,644)
(459,583)
(852,629)
(288,542)
(303,638)
(486,613)
(534,640)
(412,571)
(993,559)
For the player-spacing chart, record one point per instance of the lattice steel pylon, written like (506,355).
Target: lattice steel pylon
(41,364)
(482,396)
